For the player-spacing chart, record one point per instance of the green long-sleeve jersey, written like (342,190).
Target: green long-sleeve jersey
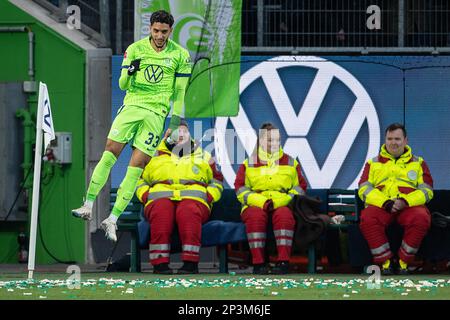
(162,75)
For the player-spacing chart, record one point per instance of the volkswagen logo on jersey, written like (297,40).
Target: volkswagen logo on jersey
(153,73)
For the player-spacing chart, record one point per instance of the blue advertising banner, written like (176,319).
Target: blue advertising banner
(332,112)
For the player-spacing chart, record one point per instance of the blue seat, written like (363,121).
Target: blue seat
(214,233)
(224,227)
(218,232)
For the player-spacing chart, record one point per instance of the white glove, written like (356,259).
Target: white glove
(338,219)
(173,138)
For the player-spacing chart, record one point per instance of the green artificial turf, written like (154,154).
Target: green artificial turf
(50,286)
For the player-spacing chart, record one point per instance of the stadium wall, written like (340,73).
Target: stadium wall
(61,65)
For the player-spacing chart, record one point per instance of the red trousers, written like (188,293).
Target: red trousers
(414,220)
(256,220)
(189,216)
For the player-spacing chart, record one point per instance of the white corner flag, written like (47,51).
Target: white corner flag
(44,123)
(47,121)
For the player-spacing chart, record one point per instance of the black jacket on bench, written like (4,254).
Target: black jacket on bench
(310,222)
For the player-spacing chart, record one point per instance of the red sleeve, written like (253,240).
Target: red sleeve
(426,174)
(144,197)
(301,180)
(240,178)
(216,173)
(365,174)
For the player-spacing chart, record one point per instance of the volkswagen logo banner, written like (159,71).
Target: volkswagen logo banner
(332,112)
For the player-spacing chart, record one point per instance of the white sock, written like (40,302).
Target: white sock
(89,204)
(113,218)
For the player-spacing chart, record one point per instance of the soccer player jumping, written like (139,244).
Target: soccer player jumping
(153,70)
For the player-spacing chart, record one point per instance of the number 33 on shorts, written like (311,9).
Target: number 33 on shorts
(152,138)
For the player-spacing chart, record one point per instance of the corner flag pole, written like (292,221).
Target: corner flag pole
(41,119)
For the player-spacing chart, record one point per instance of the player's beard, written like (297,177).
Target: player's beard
(160,47)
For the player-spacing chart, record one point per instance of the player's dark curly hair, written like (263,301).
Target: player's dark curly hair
(162,16)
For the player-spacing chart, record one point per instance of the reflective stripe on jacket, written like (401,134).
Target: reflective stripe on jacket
(385,178)
(274,176)
(192,176)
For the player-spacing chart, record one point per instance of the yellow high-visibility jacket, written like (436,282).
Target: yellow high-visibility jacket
(192,176)
(266,176)
(386,178)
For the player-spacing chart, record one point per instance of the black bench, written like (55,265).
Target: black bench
(128,222)
(224,227)
(435,246)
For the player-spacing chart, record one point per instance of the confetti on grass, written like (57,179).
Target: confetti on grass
(352,286)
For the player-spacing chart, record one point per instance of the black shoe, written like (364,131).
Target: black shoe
(402,269)
(387,271)
(188,267)
(403,272)
(281,267)
(162,268)
(260,269)
(387,267)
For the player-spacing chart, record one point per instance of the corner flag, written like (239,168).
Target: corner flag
(44,122)
(47,121)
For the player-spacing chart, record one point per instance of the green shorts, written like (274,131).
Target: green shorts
(142,126)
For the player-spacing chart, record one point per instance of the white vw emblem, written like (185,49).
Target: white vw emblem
(298,125)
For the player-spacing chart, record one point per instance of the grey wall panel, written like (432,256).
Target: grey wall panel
(12,98)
